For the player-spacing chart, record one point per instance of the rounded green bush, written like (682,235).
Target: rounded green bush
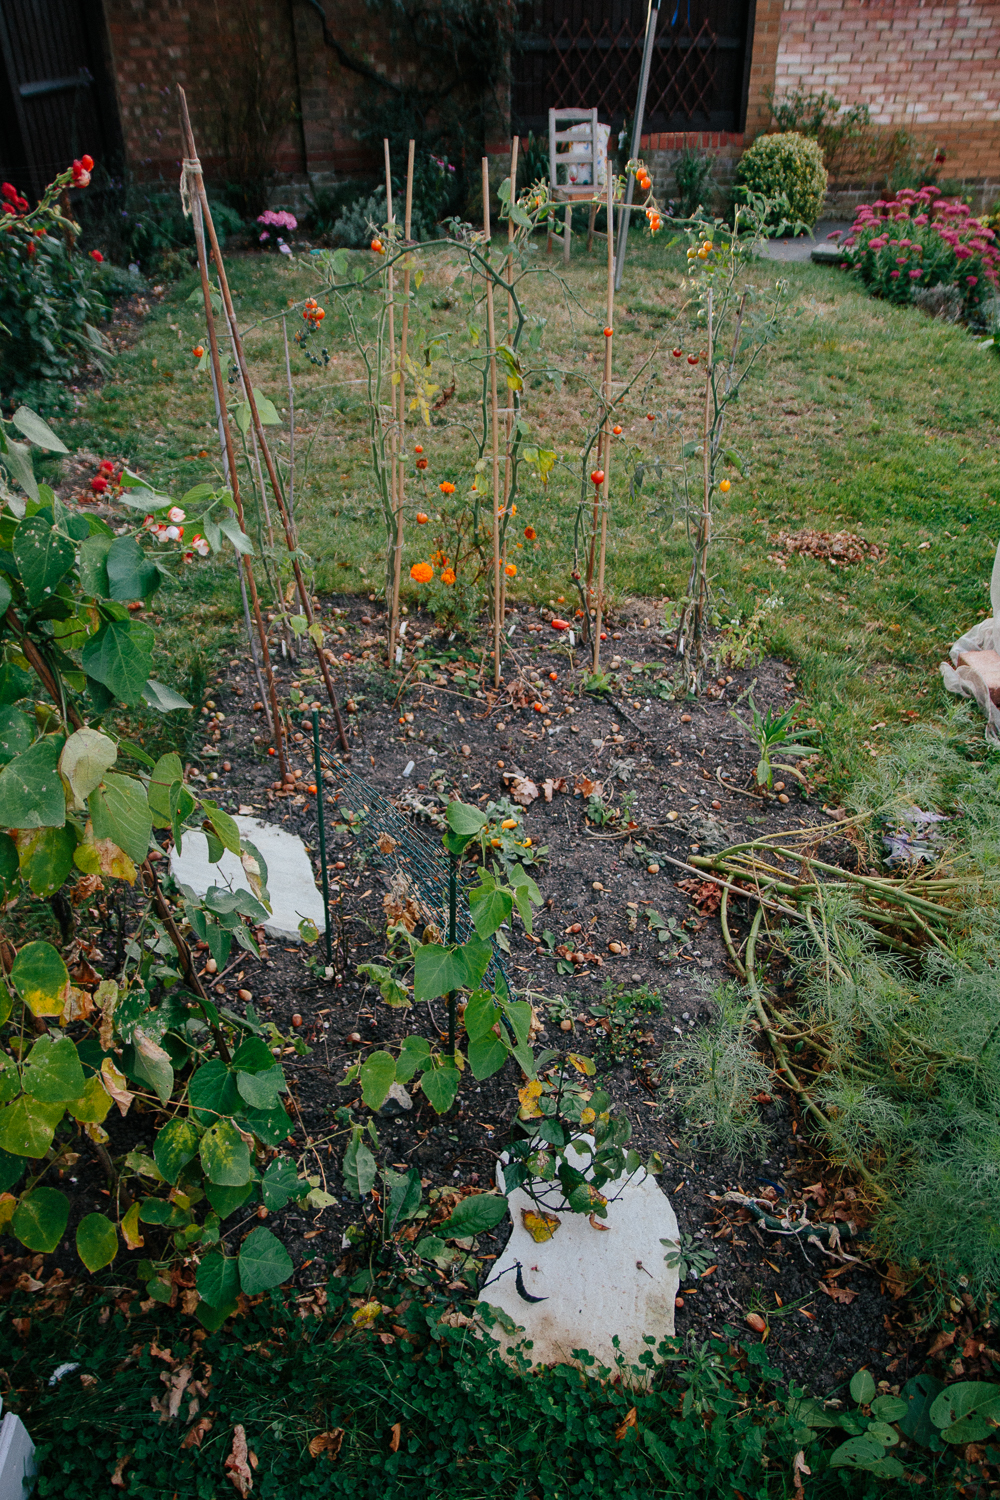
(789,169)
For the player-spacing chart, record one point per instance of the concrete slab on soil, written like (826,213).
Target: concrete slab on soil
(802,247)
(17,1459)
(598,1283)
(290,882)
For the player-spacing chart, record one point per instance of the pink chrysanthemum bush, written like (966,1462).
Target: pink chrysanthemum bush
(920,240)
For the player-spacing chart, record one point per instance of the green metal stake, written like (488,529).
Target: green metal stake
(452,938)
(322,833)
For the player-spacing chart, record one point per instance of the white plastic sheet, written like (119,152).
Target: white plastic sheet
(965,680)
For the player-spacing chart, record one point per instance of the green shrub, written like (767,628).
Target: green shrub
(787,169)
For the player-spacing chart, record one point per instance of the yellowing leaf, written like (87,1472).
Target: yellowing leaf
(366,1314)
(8,1203)
(93,1104)
(78,1006)
(130,1228)
(106,997)
(541,1227)
(582,1064)
(529,1096)
(588,1116)
(116,1084)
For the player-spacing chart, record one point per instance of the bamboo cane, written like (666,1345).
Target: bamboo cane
(397,562)
(291,422)
(512,397)
(193,174)
(494,432)
(608,403)
(290,542)
(392,580)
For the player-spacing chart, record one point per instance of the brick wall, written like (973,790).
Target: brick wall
(930,68)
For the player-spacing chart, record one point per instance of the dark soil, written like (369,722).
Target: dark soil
(690,759)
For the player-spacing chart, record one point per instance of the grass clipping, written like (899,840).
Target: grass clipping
(900,1052)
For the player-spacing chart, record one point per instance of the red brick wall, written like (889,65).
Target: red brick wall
(931,68)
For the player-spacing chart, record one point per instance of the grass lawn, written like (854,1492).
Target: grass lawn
(861,416)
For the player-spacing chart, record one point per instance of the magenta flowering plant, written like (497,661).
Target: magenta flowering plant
(921,239)
(276,218)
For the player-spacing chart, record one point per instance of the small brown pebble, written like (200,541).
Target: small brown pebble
(296,1019)
(227,765)
(716,805)
(351,706)
(576,927)
(756,1322)
(262,1212)
(565,1025)
(783,798)
(245,994)
(500,765)
(352,1036)
(685,718)
(211,967)
(678,1301)
(258,707)
(652,869)
(466,750)
(597,886)
(779,786)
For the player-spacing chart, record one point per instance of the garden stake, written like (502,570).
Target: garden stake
(494,430)
(698,582)
(452,938)
(608,406)
(401,424)
(307,609)
(291,422)
(321,825)
(512,395)
(241,575)
(192,171)
(392,581)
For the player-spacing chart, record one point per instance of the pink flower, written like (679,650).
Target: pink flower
(920,219)
(962,252)
(175,514)
(915,274)
(972,280)
(264,236)
(278,219)
(894,275)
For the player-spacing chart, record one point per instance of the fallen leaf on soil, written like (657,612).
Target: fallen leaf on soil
(397,1432)
(541,1227)
(523,791)
(705,894)
(386,845)
(586,787)
(118,1477)
(192,1438)
(817,1192)
(945,1338)
(629,1420)
(237,1468)
(799,1467)
(326,1442)
(176,1381)
(366,1313)
(553,784)
(842,1294)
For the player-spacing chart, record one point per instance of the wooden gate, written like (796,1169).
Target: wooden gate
(573,53)
(57,100)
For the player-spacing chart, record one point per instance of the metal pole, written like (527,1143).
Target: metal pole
(321,822)
(647,62)
(452,938)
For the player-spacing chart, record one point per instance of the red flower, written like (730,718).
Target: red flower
(87,163)
(96,256)
(8,190)
(98,484)
(106,466)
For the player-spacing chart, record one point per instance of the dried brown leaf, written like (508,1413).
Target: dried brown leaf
(397,1432)
(842,1294)
(192,1438)
(630,1419)
(237,1468)
(328,1443)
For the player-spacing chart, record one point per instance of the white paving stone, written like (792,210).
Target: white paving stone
(290,883)
(592,1279)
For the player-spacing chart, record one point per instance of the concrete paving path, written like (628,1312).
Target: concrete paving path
(802,247)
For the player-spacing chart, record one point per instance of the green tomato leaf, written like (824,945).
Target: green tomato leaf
(119,656)
(52,1072)
(31,792)
(474,1215)
(43,557)
(378,1074)
(96,1241)
(175,1145)
(225,1155)
(40,1219)
(264,1262)
(217,1280)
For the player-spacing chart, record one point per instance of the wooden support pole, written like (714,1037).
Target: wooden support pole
(491,333)
(608,413)
(303,592)
(512,395)
(393,571)
(401,419)
(195,180)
